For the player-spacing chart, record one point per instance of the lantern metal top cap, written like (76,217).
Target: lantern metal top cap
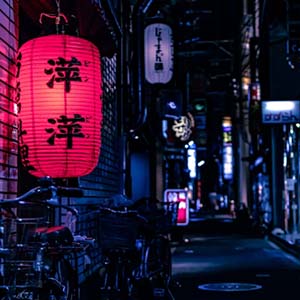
(59,16)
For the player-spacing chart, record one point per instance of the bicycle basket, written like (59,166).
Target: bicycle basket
(168,220)
(162,223)
(118,232)
(172,210)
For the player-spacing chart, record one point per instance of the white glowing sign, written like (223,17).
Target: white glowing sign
(280,112)
(158,50)
(227,148)
(227,162)
(191,157)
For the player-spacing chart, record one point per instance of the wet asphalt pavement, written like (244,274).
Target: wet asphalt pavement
(220,264)
(211,260)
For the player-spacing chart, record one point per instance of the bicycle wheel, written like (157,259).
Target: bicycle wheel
(4,294)
(109,279)
(159,266)
(117,279)
(60,284)
(158,257)
(125,282)
(66,275)
(166,259)
(143,289)
(26,294)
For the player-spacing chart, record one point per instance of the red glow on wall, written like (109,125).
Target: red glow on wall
(59,106)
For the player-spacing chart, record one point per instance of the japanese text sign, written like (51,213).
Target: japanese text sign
(158,49)
(181,197)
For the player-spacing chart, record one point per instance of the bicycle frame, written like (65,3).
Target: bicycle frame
(132,270)
(43,259)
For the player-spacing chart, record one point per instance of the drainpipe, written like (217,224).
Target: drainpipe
(123,91)
(141,10)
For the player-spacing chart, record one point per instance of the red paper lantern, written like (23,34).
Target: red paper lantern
(59,106)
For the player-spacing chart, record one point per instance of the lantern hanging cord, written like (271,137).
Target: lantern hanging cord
(57,17)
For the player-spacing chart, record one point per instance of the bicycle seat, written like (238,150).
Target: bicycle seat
(54,236)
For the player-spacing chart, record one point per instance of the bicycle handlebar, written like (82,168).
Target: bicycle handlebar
(125,212)
(44,196)
(84,240)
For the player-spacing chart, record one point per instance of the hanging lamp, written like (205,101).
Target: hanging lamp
(59,105)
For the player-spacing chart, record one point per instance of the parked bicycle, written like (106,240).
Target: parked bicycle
(136,253)
(35,252)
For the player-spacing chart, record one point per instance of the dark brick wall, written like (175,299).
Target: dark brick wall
(8,125)
(105,180)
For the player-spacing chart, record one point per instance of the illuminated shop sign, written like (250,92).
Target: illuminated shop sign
(179,196)
(183,127)
(280,112)
(227,162)
(254,92)
(191,161)
(227,148)
(158,49)
(171,103)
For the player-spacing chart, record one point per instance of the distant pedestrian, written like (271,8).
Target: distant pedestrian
(211,183)
(243,218)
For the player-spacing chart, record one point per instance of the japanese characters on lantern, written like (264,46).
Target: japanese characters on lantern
(59,106)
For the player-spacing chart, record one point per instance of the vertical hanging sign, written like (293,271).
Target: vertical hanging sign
(227,148)
(158,51)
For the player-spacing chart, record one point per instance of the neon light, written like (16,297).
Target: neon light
(280,105)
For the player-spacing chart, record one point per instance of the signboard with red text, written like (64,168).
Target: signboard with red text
(181,197)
